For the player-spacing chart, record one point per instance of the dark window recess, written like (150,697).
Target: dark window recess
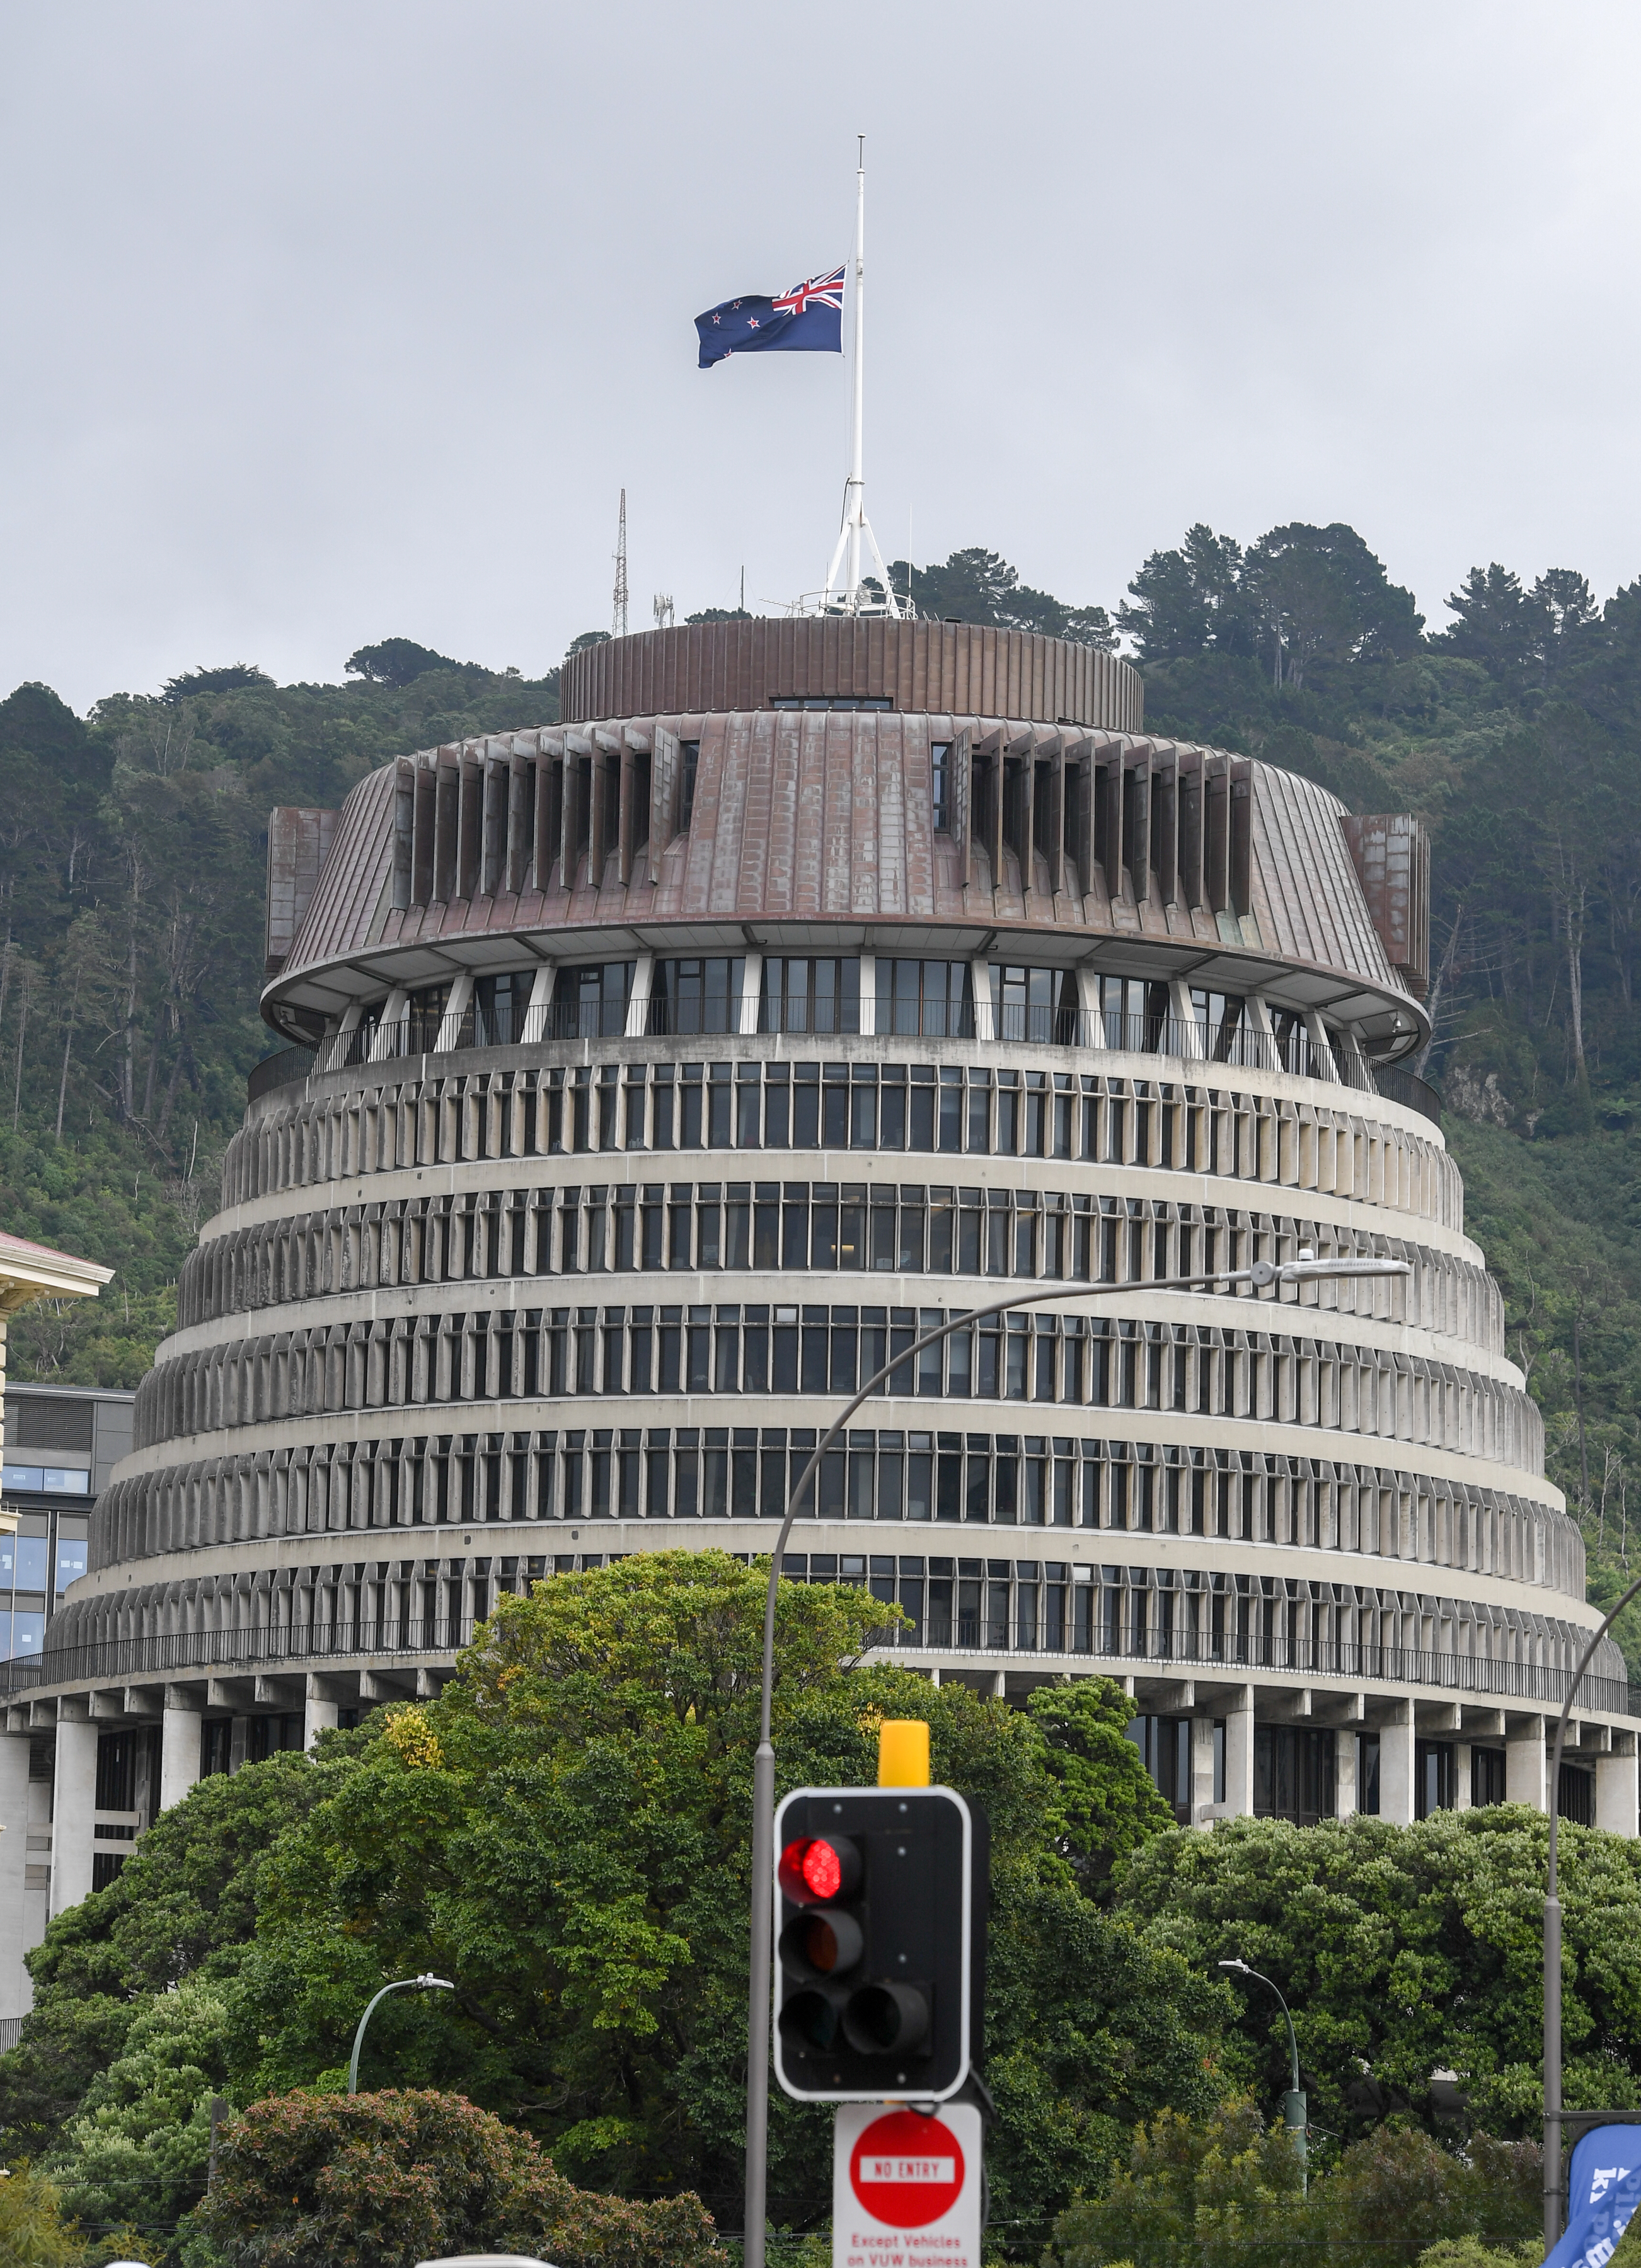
(117,1771)
(1433,1778)
(105,1865)
(266,1736)
(1575,1795)
(940,771)
(1367,1774)
(688,760)
(1486,1775)
(1293,1774)
(498,1007)
(1164,1745)
(216,1746)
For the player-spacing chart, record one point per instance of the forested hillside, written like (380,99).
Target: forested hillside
(131,860)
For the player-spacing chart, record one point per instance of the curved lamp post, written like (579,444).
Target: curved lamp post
(1294,2112)
(1552,1945)
(1263,1274)
(403,1985)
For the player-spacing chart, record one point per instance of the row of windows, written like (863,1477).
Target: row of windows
(951,1109)
(926,999)
(1123,1612)
(636,1472)
(1211,1370)
(798,1227)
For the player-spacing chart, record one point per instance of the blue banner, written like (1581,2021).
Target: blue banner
(1603,2190)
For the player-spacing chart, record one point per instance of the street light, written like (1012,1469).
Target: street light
(1293,2104)
(1552,1945)
(403,1985)
(1264,1274)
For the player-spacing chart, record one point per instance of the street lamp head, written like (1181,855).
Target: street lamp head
(1242,1965)
(434,1984)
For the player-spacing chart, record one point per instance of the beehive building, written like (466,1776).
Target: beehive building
(654,1076)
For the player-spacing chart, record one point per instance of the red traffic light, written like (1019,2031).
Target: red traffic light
(819,1866)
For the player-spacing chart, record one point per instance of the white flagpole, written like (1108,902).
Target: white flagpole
(846,556)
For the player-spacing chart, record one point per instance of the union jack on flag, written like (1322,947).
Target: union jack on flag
(806,319)
(819,292)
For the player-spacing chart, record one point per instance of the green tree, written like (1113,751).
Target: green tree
(184,1905)
(377,2180)
(565,1833)
(32,2231)
(1406,1950)
(397,661)
(138,2148)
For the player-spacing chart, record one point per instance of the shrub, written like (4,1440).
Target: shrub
(378,2181)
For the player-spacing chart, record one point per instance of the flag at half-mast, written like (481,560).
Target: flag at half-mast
(807,320)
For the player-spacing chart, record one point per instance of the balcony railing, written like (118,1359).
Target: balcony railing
(1031,1633)
(1233,1046)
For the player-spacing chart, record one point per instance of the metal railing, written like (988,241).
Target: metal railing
(226,1653)
(1406,1087)
(282,1070)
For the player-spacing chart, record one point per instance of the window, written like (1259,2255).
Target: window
(1433,1778)
(1135,1014)
(810,995)
(1222,1022)
(1486,1775)
(590,1002)
(941,775)
(696,996)
(48,1480)
(500,1004)
(1034,1003)
(930,999)
(426,1013)
(689,758)
(1165,1746)
(1293,1774)
(71,1560)
(1575,1795)
(1367,1774)
(855,702)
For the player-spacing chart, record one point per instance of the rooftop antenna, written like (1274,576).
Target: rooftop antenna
(843,594)
(663,605)
(620,627)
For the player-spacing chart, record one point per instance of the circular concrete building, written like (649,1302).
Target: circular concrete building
(656,1075)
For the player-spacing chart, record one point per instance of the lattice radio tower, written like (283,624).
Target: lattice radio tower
(620,608)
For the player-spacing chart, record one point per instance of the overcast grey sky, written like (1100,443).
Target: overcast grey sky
(330,322)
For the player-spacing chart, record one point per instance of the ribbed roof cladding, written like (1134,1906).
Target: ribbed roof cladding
(804,817)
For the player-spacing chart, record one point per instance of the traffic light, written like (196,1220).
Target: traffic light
(880,1942)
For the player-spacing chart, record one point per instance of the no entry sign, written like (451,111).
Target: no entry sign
(906,2187)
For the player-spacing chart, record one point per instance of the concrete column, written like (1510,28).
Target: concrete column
(1185,1019)
(1093,1024)
(1527,1775)
(869,991)
(386,1043)
(1202,1791)
(1239,1755)
(752,995)
(1616,1788)
(15,1998)
(319,1715)
(1396,1766)
(1347,1796)
(179,1731)
(1461,1775)
(455,1007)
(980,985)
(73,1815)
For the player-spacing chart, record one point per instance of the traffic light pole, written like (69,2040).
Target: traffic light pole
(1264,1273)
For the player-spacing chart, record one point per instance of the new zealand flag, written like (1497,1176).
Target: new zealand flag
(807,320)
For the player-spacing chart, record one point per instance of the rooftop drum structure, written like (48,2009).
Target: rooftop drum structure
(653,1077)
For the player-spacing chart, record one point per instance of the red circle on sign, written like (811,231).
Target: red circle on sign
(907,2169)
